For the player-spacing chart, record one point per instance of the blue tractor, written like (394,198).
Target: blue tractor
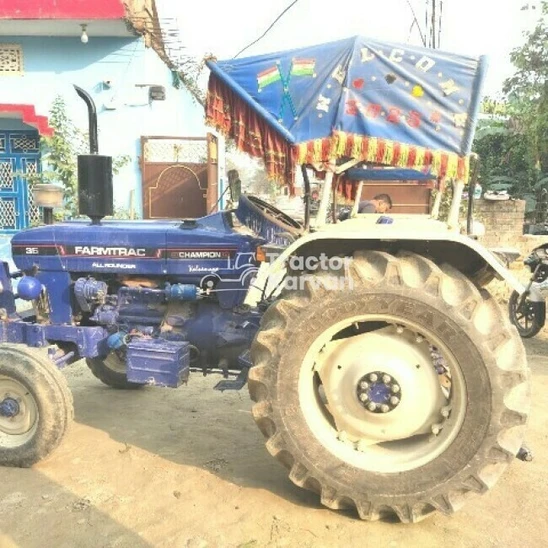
(385,377)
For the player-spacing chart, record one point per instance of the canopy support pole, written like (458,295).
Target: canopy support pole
(471,191)
(326,193)
(437,201)
(357,199)
(453,220)
(306,197)
(347,165)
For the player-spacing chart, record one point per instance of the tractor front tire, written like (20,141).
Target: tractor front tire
(36,407)
(112,372)
(353,399)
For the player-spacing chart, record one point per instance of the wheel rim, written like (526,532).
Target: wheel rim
(18,413)
(523,315)
(386,400)
(115,363)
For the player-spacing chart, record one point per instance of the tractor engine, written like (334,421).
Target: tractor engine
(164,296)
(134,311)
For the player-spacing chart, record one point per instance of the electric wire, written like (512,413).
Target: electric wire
(268,29)
(416,22)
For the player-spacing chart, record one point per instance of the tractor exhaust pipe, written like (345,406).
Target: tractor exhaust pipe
(92,119)
(95,192)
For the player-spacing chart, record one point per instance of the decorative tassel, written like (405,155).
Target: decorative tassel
(388,157)
(419,157)
(318,149)
(341,143)
(412,157)
(404,154)
(372,149)
(381,146)
(357,146)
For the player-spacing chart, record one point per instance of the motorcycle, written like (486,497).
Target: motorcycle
(528,310)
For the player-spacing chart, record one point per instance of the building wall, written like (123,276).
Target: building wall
(61,9)
(53,64)
(503,222)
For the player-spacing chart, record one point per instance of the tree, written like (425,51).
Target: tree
(505,156)
(60,156)
(527,90)
(512,137)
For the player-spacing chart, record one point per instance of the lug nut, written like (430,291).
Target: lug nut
(363,397)
(419,338)
(371,406)
(364,385)
(361,446)
(342,435)
(436,429)
(399,330)
(373,377)
(385,408)
(445,411)
(394,400)
(386,379)
(395,388)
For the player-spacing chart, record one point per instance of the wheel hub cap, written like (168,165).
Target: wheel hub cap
(365,399)
(387,399)
(9,408)
(379,392)
(18,413)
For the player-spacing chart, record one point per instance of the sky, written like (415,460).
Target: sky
(469,27)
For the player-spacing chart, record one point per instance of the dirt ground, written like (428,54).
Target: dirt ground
(188,468)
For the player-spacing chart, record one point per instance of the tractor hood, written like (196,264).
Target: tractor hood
(210,244)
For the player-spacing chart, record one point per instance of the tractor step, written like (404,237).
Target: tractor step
(233,384)
(244,359)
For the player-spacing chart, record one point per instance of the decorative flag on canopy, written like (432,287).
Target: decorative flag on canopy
(382,103)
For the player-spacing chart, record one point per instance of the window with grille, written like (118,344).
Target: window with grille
(11,59)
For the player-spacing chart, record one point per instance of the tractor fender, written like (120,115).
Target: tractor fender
(462,252)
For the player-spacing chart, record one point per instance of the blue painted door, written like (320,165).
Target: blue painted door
(19,156)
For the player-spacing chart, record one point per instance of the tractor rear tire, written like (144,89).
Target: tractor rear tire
(112,372)
(36,406)
(403,478)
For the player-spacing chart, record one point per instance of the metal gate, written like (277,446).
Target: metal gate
(179,176)
(19,156)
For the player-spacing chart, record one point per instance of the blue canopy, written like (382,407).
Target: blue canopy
(376,101)
(357,174)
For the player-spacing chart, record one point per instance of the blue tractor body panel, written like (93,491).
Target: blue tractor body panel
(126,286)
(157,248)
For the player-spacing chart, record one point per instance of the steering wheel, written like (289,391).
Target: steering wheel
(273,214)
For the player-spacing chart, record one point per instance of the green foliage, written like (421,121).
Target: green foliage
(445,206)
(504,153)
(121,213)
(60,157)
(59,154)
(493,106)
(527,90)
(513,141)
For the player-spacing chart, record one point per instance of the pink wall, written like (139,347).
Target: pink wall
(61,9)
